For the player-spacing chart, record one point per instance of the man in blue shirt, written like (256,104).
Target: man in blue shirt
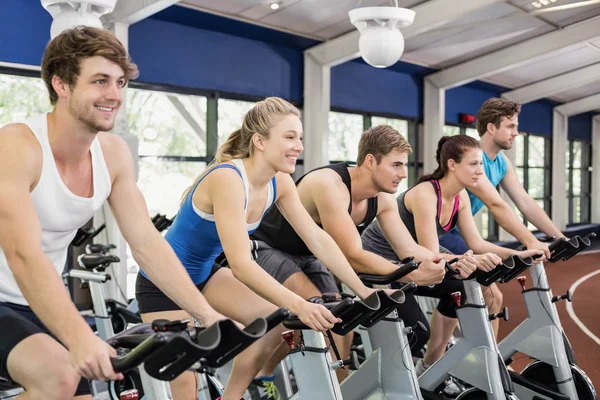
(497,123)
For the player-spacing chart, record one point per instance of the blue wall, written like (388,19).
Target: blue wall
(179,55)
(580,127)
(186,48)
(24,31)
(358,86)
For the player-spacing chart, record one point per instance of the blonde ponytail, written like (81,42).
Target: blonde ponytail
(259,120)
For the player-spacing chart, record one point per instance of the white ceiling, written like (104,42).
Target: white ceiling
(485,30)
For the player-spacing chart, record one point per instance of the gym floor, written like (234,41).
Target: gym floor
(586,307)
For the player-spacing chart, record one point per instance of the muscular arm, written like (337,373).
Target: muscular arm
(469,232)
(227,195)
(528,206)
(338,223)
(316,239)
(21,238)
(502,212)
(154,255)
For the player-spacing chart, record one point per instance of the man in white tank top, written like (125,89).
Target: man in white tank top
(56,171)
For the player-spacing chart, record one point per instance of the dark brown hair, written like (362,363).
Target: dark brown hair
(450,148)
(379,141)
(493,110)
(65,52)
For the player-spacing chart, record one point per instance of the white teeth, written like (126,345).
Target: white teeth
(104,108)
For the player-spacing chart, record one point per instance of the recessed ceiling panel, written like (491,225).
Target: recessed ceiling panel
(580,92)
(555,63)
(223,6)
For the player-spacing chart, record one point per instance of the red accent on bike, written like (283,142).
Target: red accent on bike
(456,296)
(129,395)
(288,336)
(522,280)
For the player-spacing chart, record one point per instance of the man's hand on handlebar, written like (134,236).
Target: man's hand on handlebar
(90,356)
(316,316)
(536,254)
(431,271)
(488,261)
(538,245)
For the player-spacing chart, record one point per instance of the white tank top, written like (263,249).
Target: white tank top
(60,212)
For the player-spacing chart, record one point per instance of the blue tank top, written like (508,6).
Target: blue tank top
(495,171)
(193,234)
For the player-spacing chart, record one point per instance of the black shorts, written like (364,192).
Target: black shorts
(151,299)
(23,323)
(281,265)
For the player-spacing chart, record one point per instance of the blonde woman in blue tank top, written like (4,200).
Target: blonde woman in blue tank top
(438,203)
(226,203)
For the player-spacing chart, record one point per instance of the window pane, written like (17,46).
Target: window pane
(536,182)
(163,183)
(568,156)
(520,174)
(576,182)
(520,149)
(536,151)
(344,135)
(577,148)
(230,116)
(21,98)
(485,218)
(473,133)
(167,123)
(398,124)
(451,130)
(567,182)
(576,210)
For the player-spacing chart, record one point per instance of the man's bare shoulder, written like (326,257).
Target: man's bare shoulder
(323,178)
(17,141)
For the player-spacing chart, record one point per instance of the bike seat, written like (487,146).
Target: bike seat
(91,261)
(99,248)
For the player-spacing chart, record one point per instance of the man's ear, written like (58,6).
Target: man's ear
(61,88)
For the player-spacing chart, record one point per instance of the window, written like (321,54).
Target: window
(450,130)
(230,116)
(22,97)
(533,169)
(473,133)
(171,129)
(344,135)
(577,182)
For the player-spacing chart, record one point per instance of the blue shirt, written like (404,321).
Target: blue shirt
(193,234)
(495,171)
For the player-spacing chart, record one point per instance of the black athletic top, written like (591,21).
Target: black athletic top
(279,234)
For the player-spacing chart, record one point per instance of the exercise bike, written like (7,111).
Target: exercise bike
(554,374)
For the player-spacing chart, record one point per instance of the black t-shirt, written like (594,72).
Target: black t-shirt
(279,234)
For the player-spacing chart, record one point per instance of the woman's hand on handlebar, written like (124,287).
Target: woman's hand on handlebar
(316,316)
(488,261)
(90,356)
(466,264)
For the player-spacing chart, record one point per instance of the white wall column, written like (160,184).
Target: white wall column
(317,100)
(595,189)
(433,123)
(560,132)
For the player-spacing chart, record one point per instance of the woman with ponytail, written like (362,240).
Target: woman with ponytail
(434,206)
(250,173)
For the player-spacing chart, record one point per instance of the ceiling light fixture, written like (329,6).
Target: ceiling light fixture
(274,6)
(536,4)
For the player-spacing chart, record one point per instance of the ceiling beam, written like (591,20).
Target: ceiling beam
(430,15)
(556,84)
(132,11)
(517,54)
(579,106)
